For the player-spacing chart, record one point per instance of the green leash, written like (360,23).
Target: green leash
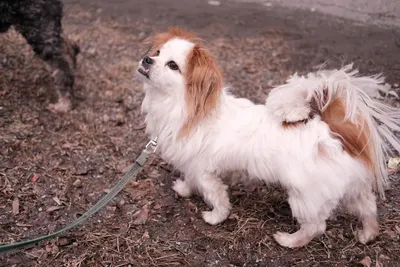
(139,163)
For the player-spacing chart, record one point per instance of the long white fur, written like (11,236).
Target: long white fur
(242,136)
(382,120)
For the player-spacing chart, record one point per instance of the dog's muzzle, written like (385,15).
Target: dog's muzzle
(146,65)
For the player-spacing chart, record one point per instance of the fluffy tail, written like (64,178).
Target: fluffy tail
(366,126)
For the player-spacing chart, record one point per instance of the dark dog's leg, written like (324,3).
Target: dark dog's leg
(39,21)
(6,15)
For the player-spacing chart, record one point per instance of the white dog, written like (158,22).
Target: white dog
(317,136)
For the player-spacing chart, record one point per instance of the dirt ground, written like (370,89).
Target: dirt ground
(54,167)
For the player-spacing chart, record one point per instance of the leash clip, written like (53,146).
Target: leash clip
(152,145)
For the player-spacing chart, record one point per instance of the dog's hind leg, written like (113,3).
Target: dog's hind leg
(363,205)
(40,23)
(311,213)
(7,17)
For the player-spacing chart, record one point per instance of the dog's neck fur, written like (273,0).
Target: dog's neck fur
(165,116)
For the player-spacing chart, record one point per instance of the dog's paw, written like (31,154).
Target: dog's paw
(182,188)
(369,232)
(290,240)
(62,106)
(284,239)
(213,217)
(365,237)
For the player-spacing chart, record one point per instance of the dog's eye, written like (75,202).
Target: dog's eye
(157,53)
(172,65)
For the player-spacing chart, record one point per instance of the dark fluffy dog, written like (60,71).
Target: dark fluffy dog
(39,21)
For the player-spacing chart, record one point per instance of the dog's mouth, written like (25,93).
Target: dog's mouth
(145,72)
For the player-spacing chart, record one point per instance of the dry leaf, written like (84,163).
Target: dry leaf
(65,241)
(52,249)
(15,206)
(365,262)
(35,177)
(397,229)
(157,206)
(111,208)
(24,225)
(53,208)
(142,216)
(145,235)
(77,183)
(238,193)
(192,207)
(234,216)
(391,234)
(57,200)
(383,257)
(392,171)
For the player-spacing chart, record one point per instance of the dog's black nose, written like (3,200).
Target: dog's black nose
(147,61)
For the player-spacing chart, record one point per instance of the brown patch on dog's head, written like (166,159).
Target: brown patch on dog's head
(203,76)
(203,86)
(156,42)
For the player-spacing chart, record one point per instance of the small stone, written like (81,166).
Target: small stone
(120,204)
(214,3)
(63,241)
(120,119)
(146,235)
(129,102)
(108,93)
(106,118)
(398,40)
(141,216)
(92,51)
(141,35)
(391,234)
(15,206)
(366,262)
(77,183)
(102,169)
(111,208)
(82,168)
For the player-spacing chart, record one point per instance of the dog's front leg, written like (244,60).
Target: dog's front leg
(213,191)
(184,188)
(215,194)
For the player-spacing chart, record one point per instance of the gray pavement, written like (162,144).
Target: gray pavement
(378,12)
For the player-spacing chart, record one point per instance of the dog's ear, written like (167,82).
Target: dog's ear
(203,86)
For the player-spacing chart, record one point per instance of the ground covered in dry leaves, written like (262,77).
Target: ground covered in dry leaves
(54,167)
